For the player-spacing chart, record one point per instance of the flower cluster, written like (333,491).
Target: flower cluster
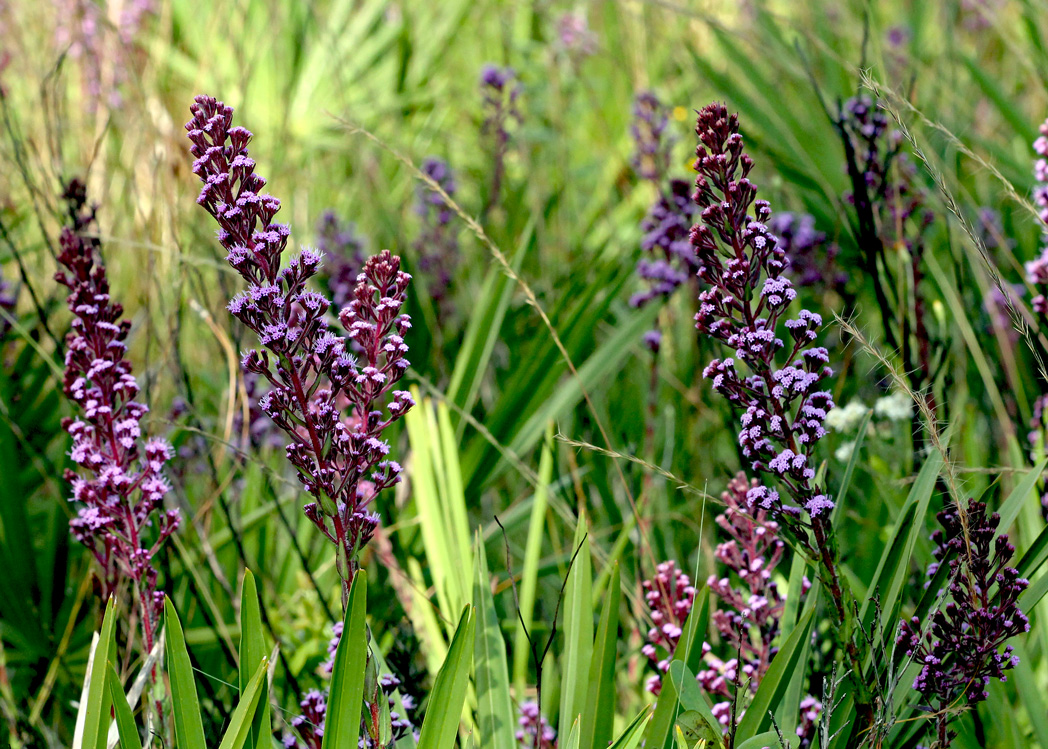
(119,483)
(651,157)
(500,92)
(437,243)
(341,457)
(535,732)
(962,649)
(309,724)
(811,256)
(749,620)
(576,38)
(747,296)
(343,251)
(667,230)
(670,596)
(1037,269)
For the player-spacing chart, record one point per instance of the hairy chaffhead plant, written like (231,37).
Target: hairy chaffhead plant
(119,483)
(333,396)
(776,376)
(747,617)
(963,647)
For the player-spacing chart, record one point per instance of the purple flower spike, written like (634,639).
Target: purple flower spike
(811,257)
(651,159)
(437,244)
(964,647)
(670,260)
(500,91)
(1037,270)
(748,297)
(119,482)
(333,406)
(670,596)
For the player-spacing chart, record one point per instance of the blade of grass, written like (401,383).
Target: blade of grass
(342,726)
(449,690)
(494,702)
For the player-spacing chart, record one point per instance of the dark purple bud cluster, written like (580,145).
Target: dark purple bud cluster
(670,260)
(651,157)
(811,257)
(437,243)
(964,647)
(333,406)
(888,174)
(746,301)
(343,251)
(670,597)
(119,482)
(500,91)
(535,732)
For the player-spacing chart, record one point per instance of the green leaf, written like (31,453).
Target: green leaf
(578,631)
(1009,509)
(98,702)
(849,471)
(660,730)
(125,721)
(185,708)
(600,703)
(494,702)
(769,740)
(241,724)
(342,726)
(630,738)
(573,736)
(449,690)
(252,652)
(776,679)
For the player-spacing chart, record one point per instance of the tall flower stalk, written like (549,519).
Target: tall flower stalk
(333,396)
(500,91)
(782,408)
(437,242)
(119,482)
(964,646)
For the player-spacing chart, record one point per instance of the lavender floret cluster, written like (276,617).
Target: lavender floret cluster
(341,457)
(119,483)
(342,248)
(1037,269)
(747,298)
(651,155)
(437,243)
(964,646)
(535,732)
(670,597)
(500,93)
(670,260)
(810,255)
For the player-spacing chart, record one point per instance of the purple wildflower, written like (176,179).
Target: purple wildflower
(309,724)
(670,596)
(341,457)
(575,36)
(962,649)
(500,91)
(119,482)
(651,157)
(437,244)
(1037,269)
(811,257)
(535,732)
(748,295)
(343,250)
(671,259)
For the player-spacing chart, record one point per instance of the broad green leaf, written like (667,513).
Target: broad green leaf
(776,679)
(125,721)
(1009,509)
(578,631)
(239,730)
(449,690)
(600,703)
(98,703)
(185,708)
(494,702)
(252,652)
(769,740)
(342,726)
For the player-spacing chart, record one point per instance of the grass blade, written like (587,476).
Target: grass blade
(494,702)
(600,704)
(125,721)
(253,652)
(185,708)
(342,727)
(449,690)
(578,632)
(241,725)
